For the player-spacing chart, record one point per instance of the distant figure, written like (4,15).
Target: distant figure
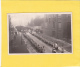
(15,34)
(62,51)
(43,49)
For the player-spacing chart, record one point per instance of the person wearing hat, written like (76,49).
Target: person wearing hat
(53,49)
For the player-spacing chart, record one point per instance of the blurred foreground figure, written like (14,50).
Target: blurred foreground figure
(55,48)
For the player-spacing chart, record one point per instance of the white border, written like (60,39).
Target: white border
(8,32)
(40,53)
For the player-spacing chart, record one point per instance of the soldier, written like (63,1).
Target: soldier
(39,48)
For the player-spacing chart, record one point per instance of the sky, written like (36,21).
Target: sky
(23,18)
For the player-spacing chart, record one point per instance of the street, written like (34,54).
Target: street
(40,33)
(22,44)
(41,44)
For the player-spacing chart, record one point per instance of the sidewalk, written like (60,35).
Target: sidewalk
(17,45)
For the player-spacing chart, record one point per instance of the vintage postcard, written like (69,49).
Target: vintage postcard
(40,33)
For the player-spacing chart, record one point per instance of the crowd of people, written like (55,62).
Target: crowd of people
(55,47)
(40,49)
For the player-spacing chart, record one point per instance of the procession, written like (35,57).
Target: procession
(41,36)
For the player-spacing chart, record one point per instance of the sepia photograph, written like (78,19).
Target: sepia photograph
(30,33)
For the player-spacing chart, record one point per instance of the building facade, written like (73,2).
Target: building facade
(57,25)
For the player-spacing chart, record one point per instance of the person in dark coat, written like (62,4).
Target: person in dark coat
(53,50)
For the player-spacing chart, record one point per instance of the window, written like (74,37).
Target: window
(59,25)
(53,24)
(53,33)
